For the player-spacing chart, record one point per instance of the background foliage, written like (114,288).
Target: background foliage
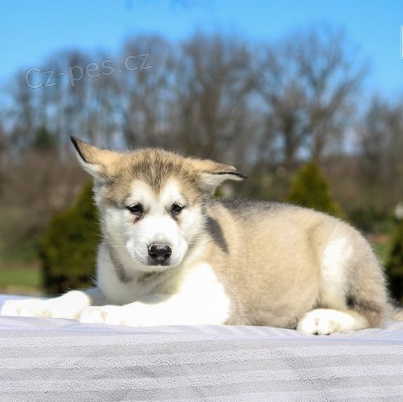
(68,246)
(311,190)
(394,267)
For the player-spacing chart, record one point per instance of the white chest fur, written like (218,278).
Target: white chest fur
(190,294)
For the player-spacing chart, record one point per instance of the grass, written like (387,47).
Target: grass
(20,280)
(20,272)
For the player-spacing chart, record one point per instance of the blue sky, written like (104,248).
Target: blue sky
(31,30)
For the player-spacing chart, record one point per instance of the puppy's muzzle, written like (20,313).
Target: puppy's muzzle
(159,253)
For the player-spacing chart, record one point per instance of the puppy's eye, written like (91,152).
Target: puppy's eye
(136,209)
(176,209)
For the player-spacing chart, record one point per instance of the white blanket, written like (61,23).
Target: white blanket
(62,360)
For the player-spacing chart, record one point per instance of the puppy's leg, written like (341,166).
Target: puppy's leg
(159,310)
(352,315)
(352,288)
(68,305)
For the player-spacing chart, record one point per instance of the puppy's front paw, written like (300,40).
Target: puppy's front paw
(66,306)
(103,315)
(26,308)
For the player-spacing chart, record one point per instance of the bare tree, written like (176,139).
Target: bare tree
(332,80)
(381,149)
(214,86)
(145,90)
(104,103)
(21,114)
(308,83)
(3,150)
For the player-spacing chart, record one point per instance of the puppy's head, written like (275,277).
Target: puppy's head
(151,200)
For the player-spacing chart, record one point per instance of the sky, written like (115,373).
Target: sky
(30,31)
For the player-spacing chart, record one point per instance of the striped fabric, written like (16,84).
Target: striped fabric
(62,360)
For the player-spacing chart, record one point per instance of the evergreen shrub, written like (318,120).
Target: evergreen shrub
(68,246)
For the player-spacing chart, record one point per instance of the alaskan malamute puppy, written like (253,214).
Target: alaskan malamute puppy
(172,254)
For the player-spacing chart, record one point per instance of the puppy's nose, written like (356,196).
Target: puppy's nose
(159,252)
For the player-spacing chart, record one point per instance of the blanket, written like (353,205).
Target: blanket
(48,359)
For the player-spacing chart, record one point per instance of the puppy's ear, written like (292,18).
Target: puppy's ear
(213,174)
(94,160)
(210,181)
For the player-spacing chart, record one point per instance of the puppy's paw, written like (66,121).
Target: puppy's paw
(113,315)
(328,321)
(66,306)
(26,308)
(317,322)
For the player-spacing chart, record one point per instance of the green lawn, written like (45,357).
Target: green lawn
(20,280)
(20,271)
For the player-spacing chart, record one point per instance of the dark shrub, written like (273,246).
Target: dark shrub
(394,266)
(68,247)
(310,189)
